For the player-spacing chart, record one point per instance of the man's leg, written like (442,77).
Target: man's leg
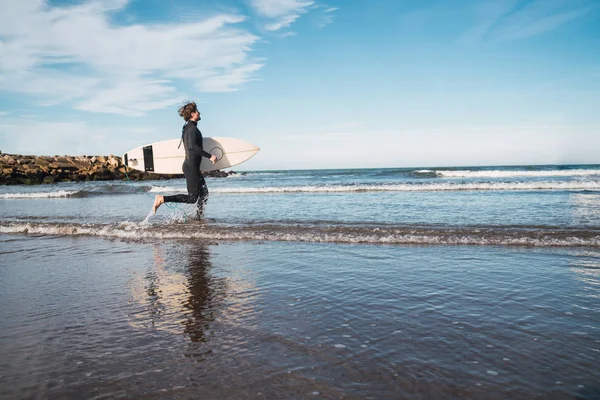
(202,198)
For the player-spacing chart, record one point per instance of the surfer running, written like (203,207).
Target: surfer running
(192,142)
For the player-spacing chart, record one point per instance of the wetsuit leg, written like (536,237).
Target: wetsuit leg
(202,197)
(193,179)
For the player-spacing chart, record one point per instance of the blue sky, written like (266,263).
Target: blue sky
(315,84)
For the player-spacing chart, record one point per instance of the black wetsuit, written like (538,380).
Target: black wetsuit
(196,186)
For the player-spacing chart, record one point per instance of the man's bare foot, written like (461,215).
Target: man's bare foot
(158,200)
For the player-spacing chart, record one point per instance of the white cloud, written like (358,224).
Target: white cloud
(225,83)
(324,16)
(50,138)
(538,18)
(283,22)
(280,8)
(486,15)
(500,20)
(131,96)
(70,137)
(50,86)
(283,12)
(325,20)
(75,54)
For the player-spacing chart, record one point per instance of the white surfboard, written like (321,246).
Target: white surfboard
(165,158)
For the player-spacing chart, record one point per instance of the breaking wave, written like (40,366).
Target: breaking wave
(515,173)
(419,187)
(40,195)
(104,190)
(384,234)
(122,189)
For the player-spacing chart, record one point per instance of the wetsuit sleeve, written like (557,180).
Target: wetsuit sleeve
(191,137)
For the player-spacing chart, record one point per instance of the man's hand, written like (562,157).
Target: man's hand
(213,158)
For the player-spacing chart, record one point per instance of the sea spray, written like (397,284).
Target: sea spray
(147,219)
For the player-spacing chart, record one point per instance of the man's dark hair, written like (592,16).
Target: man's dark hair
(187,109)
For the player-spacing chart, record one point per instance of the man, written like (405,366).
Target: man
(192,142)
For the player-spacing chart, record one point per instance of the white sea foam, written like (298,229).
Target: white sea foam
(517,173)
(259,173)
(442,186)
(136,231)
(161,189)
(38,195)
(401,187)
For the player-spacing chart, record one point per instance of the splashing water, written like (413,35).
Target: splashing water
(145,221)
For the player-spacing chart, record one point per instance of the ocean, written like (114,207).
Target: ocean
(471,282)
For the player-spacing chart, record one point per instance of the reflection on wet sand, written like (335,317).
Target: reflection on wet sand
(205,294)
(294,320)
(178,291)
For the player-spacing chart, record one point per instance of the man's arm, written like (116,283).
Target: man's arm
(190,137)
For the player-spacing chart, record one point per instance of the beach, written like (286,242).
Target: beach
(472,282)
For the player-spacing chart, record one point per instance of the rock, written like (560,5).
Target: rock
(217,174)
(23,169)
(83,160)
(63,160)
(43,162)
(114,161)
(68,167)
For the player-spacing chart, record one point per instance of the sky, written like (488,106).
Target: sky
(314,84)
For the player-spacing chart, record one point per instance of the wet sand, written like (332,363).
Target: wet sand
(93,318)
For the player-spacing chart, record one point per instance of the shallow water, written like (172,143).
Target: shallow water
(385,283)
(527,199)
(95,318)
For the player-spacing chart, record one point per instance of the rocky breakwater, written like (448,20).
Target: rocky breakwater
(31,170)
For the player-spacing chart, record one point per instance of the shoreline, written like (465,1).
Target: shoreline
(17,169)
